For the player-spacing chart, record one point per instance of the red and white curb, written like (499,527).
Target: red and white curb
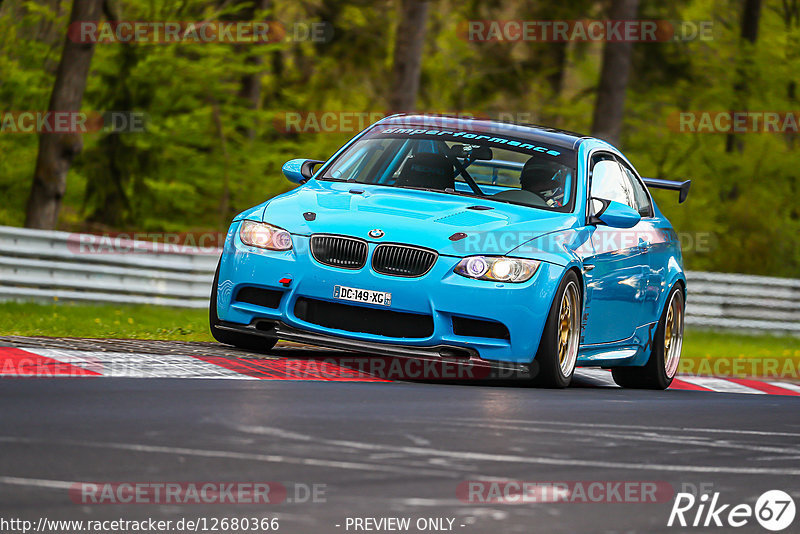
(602,378)
(72,363)
(41,362)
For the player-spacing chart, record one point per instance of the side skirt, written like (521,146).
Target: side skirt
(633,351)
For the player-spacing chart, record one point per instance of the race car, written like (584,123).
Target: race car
(466,240)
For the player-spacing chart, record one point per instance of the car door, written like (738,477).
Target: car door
(651,240)
(617,270)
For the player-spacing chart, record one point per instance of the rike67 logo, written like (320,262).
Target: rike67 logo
(774,510)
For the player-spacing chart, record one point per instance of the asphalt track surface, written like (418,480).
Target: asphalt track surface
(388,449)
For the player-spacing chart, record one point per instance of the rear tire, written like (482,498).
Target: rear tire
(555,360)
(242,341)
(665,354)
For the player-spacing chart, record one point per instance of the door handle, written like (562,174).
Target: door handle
(644,245)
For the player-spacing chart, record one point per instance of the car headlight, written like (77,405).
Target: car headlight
(263,235)
(498,269)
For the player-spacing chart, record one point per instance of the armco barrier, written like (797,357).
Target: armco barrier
(743,302)
(40,265)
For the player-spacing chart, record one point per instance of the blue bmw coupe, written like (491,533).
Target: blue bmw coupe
(515,246)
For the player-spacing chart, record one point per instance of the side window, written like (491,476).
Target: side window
(363,158)
(610,183)
(639,193)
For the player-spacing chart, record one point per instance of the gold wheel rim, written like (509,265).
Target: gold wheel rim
(673,334)
(565,316)
(568,329)
(668,328)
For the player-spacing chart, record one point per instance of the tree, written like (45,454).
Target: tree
(57,150)
(791,19)
(751,13)
(408,55)
(250,88)
(614,74)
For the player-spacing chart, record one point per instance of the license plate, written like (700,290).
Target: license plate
(366,296)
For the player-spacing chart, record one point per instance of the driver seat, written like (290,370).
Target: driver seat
(428,170)
(537,175)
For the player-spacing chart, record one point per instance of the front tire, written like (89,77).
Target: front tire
(243,341)
(555,360)
(665,354)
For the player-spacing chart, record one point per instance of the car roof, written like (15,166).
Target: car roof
(531,132)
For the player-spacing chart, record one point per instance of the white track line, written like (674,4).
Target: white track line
(37,483)
(682,430)
(645,436)
(510,458)
(232,455)
(720,385)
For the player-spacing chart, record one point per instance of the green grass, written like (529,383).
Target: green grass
(740,355)
(103,321)
(704,353)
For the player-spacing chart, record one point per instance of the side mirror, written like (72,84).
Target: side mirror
(613,214)
(299,171)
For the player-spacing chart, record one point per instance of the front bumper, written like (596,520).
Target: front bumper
(438,353)
(439,294)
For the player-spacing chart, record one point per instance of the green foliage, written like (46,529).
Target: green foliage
(743,204)
(207,154)
(30,45)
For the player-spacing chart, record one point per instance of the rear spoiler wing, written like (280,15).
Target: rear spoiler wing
(658,183)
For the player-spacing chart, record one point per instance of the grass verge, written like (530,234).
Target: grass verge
(704,352)
(103,321)
(727,354)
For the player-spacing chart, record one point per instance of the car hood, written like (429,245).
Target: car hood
(422,218)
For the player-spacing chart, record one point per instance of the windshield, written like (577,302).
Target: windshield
(498,168)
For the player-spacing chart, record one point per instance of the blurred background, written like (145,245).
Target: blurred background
(217,129)
(221,117)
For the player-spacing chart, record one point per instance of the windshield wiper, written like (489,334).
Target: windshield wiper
(446,191)
(417,188)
